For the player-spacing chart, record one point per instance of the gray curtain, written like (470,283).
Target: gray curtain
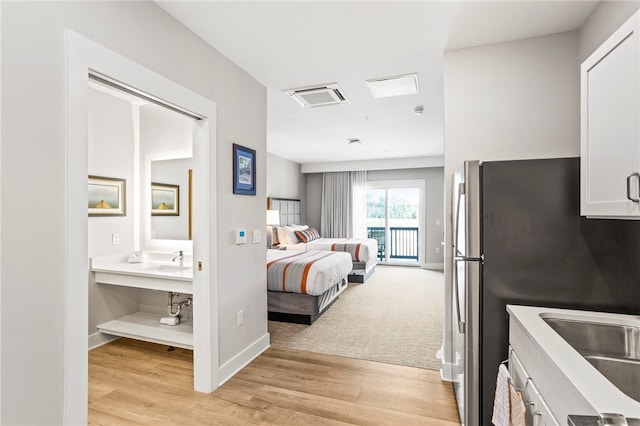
(359,204)
(338,205)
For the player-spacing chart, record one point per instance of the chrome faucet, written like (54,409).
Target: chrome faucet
(180,256)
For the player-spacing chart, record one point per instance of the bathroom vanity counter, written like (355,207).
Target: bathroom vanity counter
(156,272)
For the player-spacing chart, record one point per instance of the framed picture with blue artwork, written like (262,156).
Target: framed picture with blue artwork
(244,170)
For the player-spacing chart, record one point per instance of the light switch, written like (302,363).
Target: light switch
(257,236)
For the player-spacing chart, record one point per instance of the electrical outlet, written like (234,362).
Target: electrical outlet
(115,239)
(437,249)
(240,316)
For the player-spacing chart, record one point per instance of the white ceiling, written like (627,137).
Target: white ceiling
(286,45)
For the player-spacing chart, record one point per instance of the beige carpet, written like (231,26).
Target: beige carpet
(395,317)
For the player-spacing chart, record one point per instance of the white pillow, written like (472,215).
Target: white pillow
(299,227)
(291,236)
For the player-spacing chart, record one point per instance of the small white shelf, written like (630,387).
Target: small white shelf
(146,326)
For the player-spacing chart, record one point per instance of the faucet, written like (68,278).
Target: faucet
(180,256)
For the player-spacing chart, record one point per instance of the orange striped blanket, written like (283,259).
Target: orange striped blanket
(360,249)
(306,272)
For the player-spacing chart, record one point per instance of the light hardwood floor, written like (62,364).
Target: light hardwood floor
(133,382)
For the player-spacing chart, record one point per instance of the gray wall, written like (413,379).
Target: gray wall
(314,199)
(33,242)
(434,204)
(284,180)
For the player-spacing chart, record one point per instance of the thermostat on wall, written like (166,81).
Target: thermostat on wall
(241,236)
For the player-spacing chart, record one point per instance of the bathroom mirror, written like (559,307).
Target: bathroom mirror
(171,199)
(165,155)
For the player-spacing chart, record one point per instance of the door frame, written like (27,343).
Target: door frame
(83,56)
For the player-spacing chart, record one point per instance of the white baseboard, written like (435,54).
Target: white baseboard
(446,372)
(99,339)
(434,266)
(237,363)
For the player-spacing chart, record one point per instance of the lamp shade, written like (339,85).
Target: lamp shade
(273,217)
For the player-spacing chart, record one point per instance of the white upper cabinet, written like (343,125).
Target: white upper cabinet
(610,126)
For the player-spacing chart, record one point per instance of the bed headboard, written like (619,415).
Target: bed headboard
(289,210)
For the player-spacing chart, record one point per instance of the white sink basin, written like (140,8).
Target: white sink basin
(169,268)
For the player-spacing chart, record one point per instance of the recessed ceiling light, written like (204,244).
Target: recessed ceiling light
(394,86)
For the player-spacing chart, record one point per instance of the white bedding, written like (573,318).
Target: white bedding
(361,249)
(306,272)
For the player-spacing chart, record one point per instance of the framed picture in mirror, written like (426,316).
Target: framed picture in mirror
(165,199)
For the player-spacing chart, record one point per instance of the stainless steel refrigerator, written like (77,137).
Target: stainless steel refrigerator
(518,238)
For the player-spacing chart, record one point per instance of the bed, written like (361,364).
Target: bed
(302,285)
(291,236)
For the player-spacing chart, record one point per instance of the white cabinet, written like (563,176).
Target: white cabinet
(610,126)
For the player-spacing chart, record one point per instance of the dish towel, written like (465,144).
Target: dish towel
(502,401)
(518,409)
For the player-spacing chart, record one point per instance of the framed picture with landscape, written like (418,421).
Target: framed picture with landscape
(107,196)
(165,199)
(244,170)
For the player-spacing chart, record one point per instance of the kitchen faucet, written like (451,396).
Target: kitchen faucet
(180,256)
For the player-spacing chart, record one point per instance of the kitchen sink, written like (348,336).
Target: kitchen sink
(613,349)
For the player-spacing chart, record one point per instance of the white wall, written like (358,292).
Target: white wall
(33,177)
(111,147)
(605,19)
(516,100)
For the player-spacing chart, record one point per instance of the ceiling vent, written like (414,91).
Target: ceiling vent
(311,97)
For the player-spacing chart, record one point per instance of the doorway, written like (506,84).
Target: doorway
(83,58)
(394,218)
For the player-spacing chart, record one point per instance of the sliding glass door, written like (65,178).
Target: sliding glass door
(393,219)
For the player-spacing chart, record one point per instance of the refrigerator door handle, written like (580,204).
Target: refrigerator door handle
(469,259)
(455,237)
(456,294)
(629,197)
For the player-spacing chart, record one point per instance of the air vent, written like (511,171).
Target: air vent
(311,97)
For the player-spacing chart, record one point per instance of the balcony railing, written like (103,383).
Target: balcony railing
(402,242)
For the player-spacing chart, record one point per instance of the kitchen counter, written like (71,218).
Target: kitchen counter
(596,390)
